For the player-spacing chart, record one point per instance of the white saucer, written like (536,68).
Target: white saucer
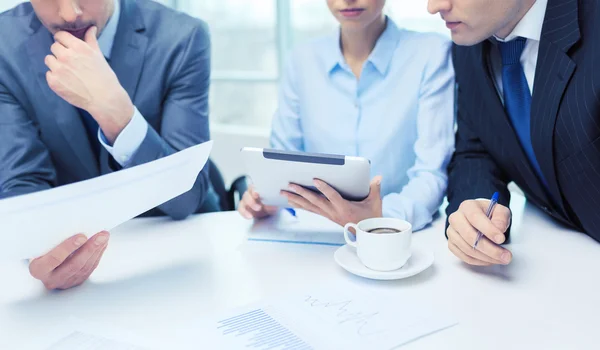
(419,261)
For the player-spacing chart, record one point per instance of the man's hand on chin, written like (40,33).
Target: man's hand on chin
(80,75)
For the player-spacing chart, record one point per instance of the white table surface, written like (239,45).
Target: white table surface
(158,275)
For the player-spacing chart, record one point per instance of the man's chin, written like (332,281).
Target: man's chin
(467,39)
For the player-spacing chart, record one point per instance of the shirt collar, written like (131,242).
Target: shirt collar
(384,50)
(380,57)
(107,37)
(530,26)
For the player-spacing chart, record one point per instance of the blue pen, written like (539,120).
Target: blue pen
(490,209)
(291,211)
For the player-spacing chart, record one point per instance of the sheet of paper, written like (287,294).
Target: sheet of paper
(305,228)
(84,341)
(334,318)
(32,224)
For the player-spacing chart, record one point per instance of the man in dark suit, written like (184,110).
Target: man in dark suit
(88,87)
(528,112)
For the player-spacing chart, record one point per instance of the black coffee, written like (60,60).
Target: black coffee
(384,230)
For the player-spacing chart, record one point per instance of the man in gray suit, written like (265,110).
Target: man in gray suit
(88,87)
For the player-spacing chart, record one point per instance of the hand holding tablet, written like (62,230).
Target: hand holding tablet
(333,186)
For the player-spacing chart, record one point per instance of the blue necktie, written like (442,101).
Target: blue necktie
(517,97)
(91,128)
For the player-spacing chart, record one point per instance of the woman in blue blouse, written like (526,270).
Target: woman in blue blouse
(375,91)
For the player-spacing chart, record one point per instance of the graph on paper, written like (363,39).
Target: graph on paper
(331,319)
(257,329)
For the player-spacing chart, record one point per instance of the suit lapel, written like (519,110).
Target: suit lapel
(56,110)
(554,70)
(500,121)
(129,48)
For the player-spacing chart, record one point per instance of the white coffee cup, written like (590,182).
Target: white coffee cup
(381,251)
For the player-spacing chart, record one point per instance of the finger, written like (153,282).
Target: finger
(331,194)
(67,40)
(59,51)
(254,201)
(375,188)
(314,199)
(53,82)
(91,38)
(52,63)
(251,201)
(243,210)
(40,268)
(85,272)
(464,228)
(501,218)
(253,192)
(73,265)
(462,256)
(257,214)
(475,215)
(457,240)
(299,202)
(271,210)
(494,251)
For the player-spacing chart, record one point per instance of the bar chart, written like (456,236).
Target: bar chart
(257,329)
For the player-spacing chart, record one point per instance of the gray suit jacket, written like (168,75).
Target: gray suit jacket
(162,59)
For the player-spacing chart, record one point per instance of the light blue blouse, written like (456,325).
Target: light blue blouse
(399,114)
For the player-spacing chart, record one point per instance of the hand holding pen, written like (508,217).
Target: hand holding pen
(476,231)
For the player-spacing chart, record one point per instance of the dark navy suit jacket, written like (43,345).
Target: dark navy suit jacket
(565,122)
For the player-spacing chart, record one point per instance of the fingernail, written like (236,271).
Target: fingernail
(499,239)
(505,257)
(317,183)
(291,188)
(256,207)
(101,240)
(80,240)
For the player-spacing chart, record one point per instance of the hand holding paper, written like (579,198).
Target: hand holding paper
(71,263)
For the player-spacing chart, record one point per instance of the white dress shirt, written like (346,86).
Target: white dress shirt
(530,28)
(132,136)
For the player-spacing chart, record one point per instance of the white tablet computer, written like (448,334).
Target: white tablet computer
(272,171)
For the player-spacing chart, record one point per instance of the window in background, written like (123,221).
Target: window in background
(310,19)
(243,34)
(245,60)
